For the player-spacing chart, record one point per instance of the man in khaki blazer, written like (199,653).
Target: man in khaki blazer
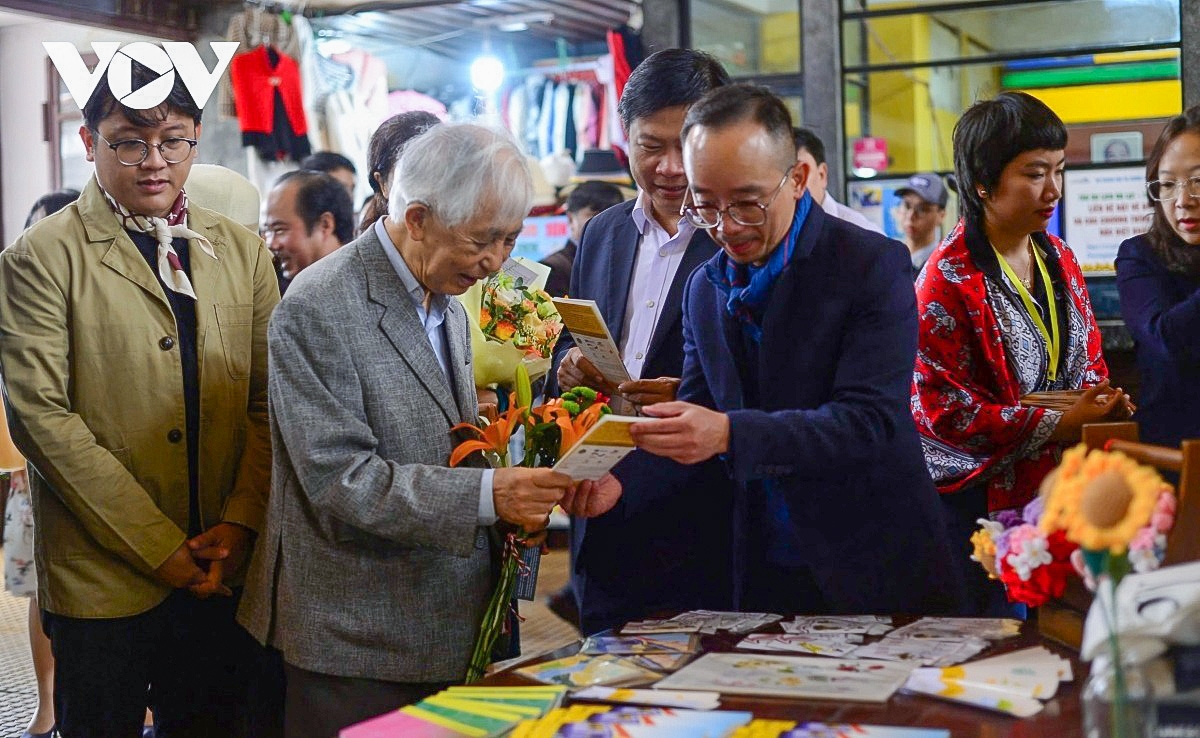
(133,347)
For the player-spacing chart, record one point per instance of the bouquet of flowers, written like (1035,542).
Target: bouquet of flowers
(1098,512)
(551,430)
(513,321)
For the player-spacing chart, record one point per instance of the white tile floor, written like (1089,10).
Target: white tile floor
(18,691)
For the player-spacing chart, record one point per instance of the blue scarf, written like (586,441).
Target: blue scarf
(747,287)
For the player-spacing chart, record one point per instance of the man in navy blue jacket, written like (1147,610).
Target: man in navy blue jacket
(800,337)
(634,260)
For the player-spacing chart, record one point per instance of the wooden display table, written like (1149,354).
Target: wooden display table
(1061,717)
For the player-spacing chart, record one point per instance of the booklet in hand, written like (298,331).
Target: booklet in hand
(605,443)
(591,335)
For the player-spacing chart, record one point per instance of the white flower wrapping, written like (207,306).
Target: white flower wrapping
(496,361)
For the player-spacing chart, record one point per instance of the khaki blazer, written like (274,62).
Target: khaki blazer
(94,387)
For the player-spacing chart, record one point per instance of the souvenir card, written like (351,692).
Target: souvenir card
(837,644)
(858,730)
(710,621)
(863,624)
(640,627)
(949,629)
(664,722)
(1039,686)
(658,697)
(581,670)
(988,699)
(807,677)
(664,662)
(1028,660)
(921,652)
(600,448)
(591,335)
(642,644)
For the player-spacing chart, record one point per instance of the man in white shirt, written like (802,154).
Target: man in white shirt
(811,150)
(634,260)
(920,214)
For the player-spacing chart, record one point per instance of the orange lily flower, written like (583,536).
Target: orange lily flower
(494,437)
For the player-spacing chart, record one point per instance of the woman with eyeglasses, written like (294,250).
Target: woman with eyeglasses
(1158,276)
(1003,312)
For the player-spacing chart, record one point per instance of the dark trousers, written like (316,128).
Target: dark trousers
(186,659)
(985,597)
(320,705)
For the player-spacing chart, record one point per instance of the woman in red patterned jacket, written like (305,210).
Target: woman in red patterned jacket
(1003,312)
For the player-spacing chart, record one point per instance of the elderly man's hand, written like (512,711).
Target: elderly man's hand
(683,432)
(525,497)
(588,498)
(576,370)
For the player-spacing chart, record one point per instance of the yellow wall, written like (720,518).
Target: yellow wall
(780,43)
(1113,102)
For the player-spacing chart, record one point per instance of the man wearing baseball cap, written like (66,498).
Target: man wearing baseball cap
(920,213)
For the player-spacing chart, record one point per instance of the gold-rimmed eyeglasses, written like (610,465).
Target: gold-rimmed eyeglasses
(743,213)
(133,151)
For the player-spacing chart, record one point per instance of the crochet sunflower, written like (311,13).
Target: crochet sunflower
(1100,499)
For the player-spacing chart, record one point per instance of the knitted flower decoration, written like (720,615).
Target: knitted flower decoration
(1101,499)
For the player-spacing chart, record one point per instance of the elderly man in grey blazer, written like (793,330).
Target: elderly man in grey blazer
(375,567)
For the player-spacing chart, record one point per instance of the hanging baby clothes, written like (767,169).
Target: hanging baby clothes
(266,91)
(252,28)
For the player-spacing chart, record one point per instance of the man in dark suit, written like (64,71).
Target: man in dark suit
(633,260)
(585,202)
(800,338)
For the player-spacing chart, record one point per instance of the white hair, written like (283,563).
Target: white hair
(453,168)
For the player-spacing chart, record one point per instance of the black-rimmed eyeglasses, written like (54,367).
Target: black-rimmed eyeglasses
(134,151)
(742,213)
(1164,190)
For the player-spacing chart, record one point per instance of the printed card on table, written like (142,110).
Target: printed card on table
(605,444)
(591,335)
(862,624)
(805,677)
(641,644)
(837,644)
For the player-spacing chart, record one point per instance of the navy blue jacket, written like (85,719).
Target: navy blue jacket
(830,434)
(676,556)
(1162,310)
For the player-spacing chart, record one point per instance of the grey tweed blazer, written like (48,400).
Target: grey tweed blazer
(371,564)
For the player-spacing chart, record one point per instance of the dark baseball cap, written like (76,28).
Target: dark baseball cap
(928,187)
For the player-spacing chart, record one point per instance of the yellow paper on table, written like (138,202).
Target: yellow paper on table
(496,361)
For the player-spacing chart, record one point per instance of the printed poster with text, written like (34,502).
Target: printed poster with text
(1102,208)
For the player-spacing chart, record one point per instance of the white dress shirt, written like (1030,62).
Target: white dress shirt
(658,257)
(434,320)
(838,210)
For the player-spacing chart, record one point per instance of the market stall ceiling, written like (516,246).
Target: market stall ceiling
(453,29)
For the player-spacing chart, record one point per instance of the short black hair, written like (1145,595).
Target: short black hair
(51,203)
(317,193)
(810,142)
(666,79)
(724,106)
(102,102)
(990,134)
(327,161)
(1177,255)
(595,195)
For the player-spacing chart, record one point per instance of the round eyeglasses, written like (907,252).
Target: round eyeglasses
(134,151)
(742,213)
(1164,190)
